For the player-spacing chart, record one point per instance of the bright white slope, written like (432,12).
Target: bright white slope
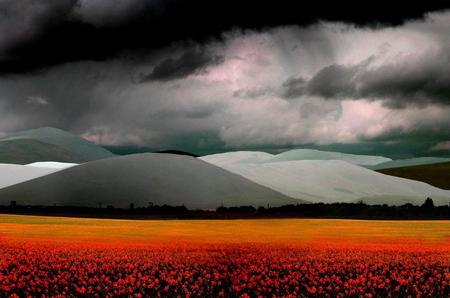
(52,165)
(236,157)
(11,174)
(334,181)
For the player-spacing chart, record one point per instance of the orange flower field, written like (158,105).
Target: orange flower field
(50,256)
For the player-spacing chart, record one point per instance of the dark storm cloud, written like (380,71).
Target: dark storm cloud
(227,92)
(61,97)
(107,13)
(52,32)
(191,62)
(294,87)
(400,84)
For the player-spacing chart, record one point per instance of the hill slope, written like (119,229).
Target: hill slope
(236,157)
(51,165)
(337,181)
(12,174)
(434,174)
(143,178)
(48,144)
(400,163)
(311,154)
(23,151)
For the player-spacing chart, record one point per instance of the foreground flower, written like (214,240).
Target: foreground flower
(227,270)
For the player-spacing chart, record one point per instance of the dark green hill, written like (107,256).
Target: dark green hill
(25,151)
(435,174)
(48,144)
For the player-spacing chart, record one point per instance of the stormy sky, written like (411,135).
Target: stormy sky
(209,76)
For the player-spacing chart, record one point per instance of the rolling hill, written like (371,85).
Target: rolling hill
(220,159)
(291,155)
(23,151)
(143,178)
(311,154)
(48,144)
(12,174)
(331,181)
(400,163)
(437,174)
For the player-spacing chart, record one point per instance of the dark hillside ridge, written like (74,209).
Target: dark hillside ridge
(178,152)
(434,174)
(48,144)
(24,151)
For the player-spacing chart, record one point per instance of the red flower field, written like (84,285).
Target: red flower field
(314,267)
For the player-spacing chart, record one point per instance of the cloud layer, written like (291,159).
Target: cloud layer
(326,83)
(39,34)
(415,80)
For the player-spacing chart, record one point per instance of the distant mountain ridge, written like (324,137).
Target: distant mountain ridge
(62,168)
(312,154)
(48,144)
(409,162)
(24,151)
(226,158)
(291,155)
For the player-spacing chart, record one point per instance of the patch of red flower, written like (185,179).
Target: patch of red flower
(229,270)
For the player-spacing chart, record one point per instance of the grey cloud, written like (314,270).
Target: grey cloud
(194,61)
(202,112)
(252,93)
(61,96)
(333,81)
(428,81)
(398,85)
(310,110)
(37,100)
(109,13)
(443,146)
(24,19)
(101,100)
(294,87)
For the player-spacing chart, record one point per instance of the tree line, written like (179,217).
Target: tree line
(358,210)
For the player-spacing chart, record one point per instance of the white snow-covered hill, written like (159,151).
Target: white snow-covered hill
(332,181)
(142,178)
(51,165)
(311,154)
(295,154)
(11,174)
(236,157)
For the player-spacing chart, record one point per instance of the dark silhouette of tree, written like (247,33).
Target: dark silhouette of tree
(428,203)
(358,210)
